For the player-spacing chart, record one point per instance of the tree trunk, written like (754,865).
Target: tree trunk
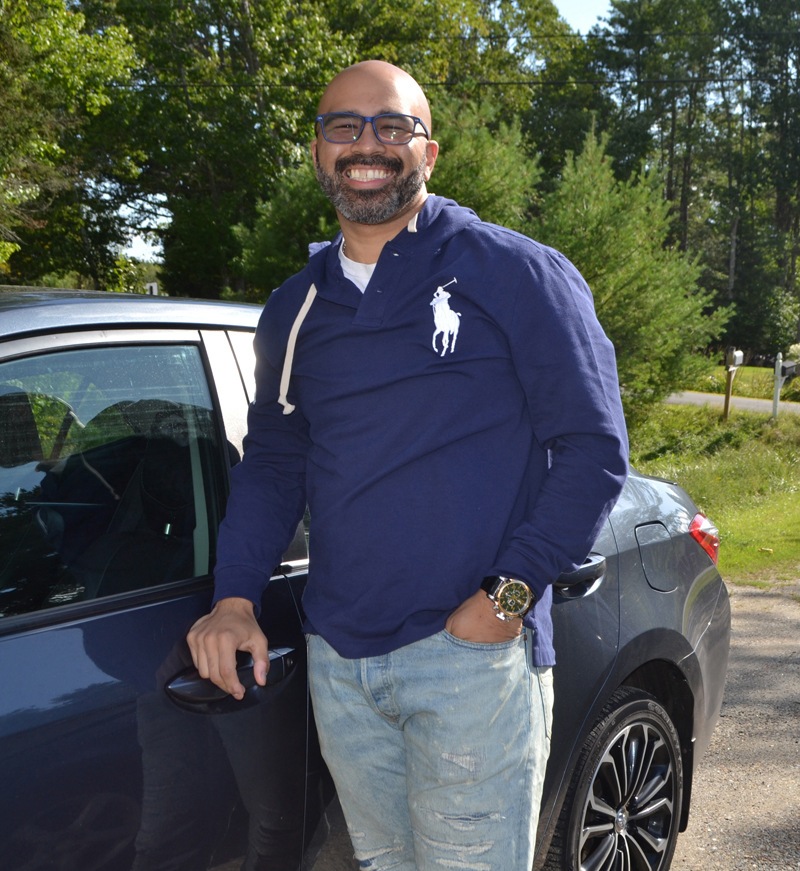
(732,254)
(671,152)
(686,181)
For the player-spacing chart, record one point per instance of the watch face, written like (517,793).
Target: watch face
(514,598)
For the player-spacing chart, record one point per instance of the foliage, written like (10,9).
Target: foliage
(482,162)
(6,250)
(744,474)
(645,291)
(468,49)
(129,276)
(179,119)
(224,96)
(277,246)
(52,415)
(54,76)
(222,103)
(82,235)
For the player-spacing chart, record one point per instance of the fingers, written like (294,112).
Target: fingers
(221,650)
(215,638)
(476,620)
(259,650)
(197,648)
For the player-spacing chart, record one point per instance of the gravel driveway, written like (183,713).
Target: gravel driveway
(746,798)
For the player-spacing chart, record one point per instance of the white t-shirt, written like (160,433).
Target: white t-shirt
(358,273)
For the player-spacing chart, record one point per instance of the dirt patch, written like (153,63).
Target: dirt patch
(746,797)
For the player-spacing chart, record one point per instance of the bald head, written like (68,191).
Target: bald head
(382,86)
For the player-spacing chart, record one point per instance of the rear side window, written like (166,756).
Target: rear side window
(110,474)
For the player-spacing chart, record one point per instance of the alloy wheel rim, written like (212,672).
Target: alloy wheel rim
(629,812)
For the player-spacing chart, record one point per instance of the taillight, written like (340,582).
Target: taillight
(706,535)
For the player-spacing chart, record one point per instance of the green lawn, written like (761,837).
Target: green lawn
(744,474)
(751,381)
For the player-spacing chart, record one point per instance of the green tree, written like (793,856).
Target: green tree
(224,96)
(54,77)
(129,276)
(482,165)
(768,39)
(707,91)
(566,103)
(646,292)
(222,104)
(482,162)
(297,214)
(465,48)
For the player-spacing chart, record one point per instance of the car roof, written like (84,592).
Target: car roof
(31,310)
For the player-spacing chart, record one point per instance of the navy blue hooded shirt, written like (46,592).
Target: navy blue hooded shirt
(461,418)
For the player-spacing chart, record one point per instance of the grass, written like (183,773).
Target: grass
(744,474)
(752,381)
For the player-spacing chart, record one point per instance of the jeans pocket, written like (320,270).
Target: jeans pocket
(487,646)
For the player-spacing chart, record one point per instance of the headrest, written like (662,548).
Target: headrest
(19,437)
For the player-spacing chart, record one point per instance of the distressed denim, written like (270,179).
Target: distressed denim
(437,750)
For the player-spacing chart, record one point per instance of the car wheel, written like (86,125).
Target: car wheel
(622,810)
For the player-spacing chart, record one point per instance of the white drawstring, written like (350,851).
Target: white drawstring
(289,358)
(288,408)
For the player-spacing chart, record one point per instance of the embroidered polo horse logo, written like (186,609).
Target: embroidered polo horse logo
(445,318)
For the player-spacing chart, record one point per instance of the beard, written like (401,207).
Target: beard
(371,206)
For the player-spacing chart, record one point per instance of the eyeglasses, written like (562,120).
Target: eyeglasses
(391,129)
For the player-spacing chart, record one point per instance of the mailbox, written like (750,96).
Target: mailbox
(734,358)
(788,369)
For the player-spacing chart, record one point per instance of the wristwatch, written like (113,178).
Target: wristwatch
(512,598)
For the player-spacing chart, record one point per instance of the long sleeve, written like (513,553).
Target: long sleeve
(574,403)
(268,489)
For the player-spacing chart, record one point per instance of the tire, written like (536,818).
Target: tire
(623,807)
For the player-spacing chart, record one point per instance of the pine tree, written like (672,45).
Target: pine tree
(646,293)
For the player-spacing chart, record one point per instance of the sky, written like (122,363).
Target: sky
(581,15)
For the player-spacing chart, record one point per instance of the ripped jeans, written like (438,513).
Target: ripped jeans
(438,751)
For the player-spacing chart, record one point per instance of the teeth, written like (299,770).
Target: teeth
(368,174)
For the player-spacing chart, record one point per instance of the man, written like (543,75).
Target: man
(440,392)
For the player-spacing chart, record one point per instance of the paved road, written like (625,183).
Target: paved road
(689,397)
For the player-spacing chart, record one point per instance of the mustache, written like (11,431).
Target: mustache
(393,164)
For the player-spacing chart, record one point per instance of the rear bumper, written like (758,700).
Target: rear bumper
(711,653)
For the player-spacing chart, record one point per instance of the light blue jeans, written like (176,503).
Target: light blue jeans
(437,750)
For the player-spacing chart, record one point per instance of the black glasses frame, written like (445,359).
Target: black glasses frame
(370,119)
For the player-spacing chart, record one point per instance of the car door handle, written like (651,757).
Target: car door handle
(188,690)
(584,580)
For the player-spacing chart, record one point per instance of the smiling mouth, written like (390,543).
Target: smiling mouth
(367,174)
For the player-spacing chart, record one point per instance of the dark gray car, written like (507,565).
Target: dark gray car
(120,417)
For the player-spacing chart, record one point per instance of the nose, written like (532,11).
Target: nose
(368,142)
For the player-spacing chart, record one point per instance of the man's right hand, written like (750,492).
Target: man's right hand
(215,638)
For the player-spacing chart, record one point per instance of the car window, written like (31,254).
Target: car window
(110,473)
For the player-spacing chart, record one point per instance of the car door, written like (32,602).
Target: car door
(586,615)
(114,453)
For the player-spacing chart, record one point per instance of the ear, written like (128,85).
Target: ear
(431,153)
(312,147)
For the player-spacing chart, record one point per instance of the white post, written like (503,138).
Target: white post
(776,396)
